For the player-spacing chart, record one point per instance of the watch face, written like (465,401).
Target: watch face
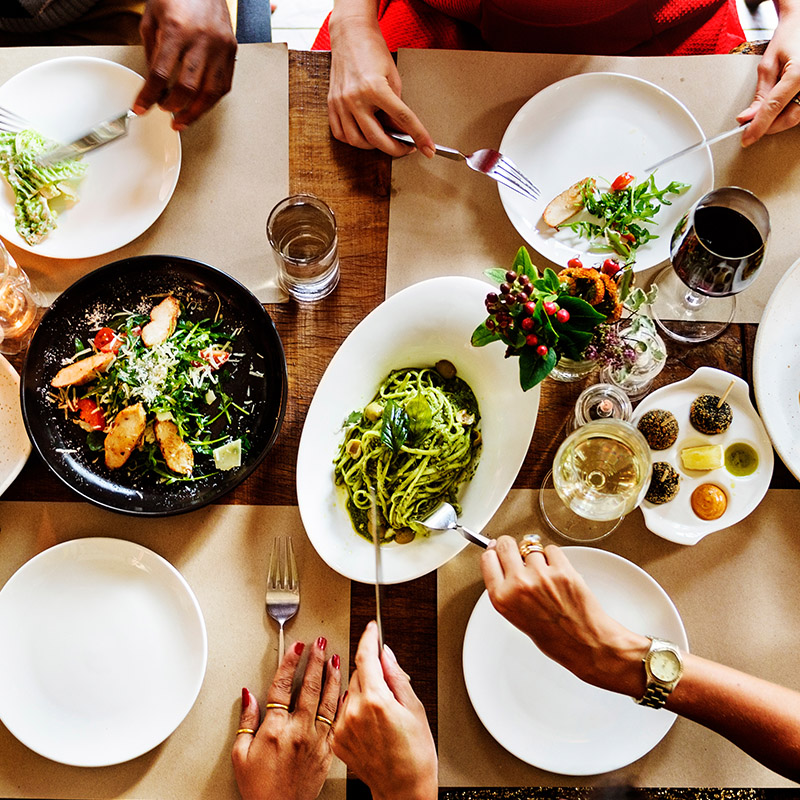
(665,665)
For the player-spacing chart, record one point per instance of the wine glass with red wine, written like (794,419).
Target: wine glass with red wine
(716,252)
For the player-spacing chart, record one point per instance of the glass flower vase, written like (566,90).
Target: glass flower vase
(568,370)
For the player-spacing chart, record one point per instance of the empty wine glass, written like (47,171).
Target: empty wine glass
(600,473)
(716,252)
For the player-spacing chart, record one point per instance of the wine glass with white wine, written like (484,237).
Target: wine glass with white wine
(600,473)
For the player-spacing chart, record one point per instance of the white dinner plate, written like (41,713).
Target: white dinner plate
(424,323)
(104,651)
(539,711)
(15,447)
(776,369)
(675,520)
(601,124)
(127,183)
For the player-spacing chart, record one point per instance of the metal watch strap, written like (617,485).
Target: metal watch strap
(656,694)
(654,697)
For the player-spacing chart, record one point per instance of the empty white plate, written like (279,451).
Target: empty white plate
(104,651)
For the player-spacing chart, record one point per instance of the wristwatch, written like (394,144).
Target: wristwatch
(664,667)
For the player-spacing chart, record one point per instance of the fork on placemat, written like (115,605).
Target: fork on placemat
(487,162)
(283,586)
(11,122)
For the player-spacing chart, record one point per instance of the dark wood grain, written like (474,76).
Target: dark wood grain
(356,184)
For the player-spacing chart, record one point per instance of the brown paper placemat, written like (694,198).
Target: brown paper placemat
(234,168)
(446,219)
(739,597)
(223,553)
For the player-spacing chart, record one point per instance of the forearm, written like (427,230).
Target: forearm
(760,717)
(353,12)
(786,8)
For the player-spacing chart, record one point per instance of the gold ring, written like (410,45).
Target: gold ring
(531,543)
(796,99)
(246,730)
(325,720)
(282,706)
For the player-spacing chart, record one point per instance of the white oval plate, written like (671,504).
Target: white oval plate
(539,711)
(776,369)
(675,520)
(104,651)
(601,124)
(127,183)
(426,322)
(15,447)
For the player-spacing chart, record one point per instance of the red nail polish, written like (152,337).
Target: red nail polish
(335,661)
(322,642)
(245,698)
(299,647)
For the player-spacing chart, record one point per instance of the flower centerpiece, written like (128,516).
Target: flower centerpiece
(571,314)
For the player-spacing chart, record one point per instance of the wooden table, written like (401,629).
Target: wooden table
(357,185)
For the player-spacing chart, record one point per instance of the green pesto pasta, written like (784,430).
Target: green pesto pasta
(411,448)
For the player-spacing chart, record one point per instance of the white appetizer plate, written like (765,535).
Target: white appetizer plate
(127,183)
(601,124)
(675,520)
(15,447)
(539,711)
(424,323)
(104,651)
(776,369)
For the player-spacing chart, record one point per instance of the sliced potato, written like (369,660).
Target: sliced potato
(176,452)
(163,319)
(125,432)
(566,204)
(82,371)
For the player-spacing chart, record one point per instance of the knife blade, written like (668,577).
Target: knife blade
(103,133)
(373,513)
(698,146)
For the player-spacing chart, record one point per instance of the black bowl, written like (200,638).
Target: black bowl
(260,377)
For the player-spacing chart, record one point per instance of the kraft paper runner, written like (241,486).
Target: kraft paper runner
(234,169)
(738,595)
(446,219)
(223,552)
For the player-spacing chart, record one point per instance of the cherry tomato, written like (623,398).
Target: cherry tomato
(107,340)
(622,182)
(611,267)
(215,358)
(91,413)
(575,263)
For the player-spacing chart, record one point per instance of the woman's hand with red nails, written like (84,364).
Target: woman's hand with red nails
(546,598)
(289,754)
(382,733)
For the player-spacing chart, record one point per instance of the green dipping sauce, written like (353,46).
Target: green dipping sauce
(741,459)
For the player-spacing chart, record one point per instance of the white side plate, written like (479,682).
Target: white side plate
(601,124)
(15,447)
(104,651)
(426,322)
(127,183)
(542,713)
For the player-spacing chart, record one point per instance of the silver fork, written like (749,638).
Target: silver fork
(487,162)
(11,122)
(283,586)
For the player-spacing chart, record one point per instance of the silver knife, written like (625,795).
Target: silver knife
(698,146)
(103,133)
(373,512)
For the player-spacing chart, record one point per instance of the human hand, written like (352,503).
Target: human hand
(289,754)
(545,597)
(190,49)
(774,107)
(382,732)
(364,81)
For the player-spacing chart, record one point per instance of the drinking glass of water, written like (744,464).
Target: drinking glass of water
(301,230)
(716,252)
(20,305)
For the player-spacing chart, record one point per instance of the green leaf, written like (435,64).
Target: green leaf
(395,428)
(551,280)
(533,368)
(79,345)
(625,283)
(572,343)
(482,336)
(496,274)
(523,264)
(95,440)
(353,418)
(419,414)
(582,316)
